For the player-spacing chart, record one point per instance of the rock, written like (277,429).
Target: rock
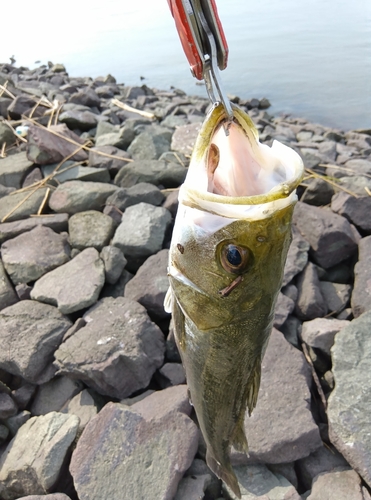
(357,185)
(4,433)
(358,166)
(30,332)
(6,135)
(320,333)
(353,209)
(22,105)
(118,289)
(118,350)
(32,466)
(141,232)
(349,405)
(324,459)
(142,192)
(53,395)
(57,222)
(77,196)
(342,485)
(69,172)
(184,138)
(15,423)
(114,263)
(297,257)
(149,145)
(30,255)
(155,172)
(8,295)
(160,404)
(113,163)
(281,428)
(52,496)
(329,235)
(121,139)
(13,170)
(171,374)
(292,330)
(192,487)
(287,471)
(45,147)
(318,192)
(15,206)
(284,307)
(82,120)
(150,284)
(7,406)
(171,203)
(22,396)
(150,455)
(90,229)
(336,295)
(86,97)
(83,406)
(361,296)
(257,481)
(310,303)
(73,286)
(34,176)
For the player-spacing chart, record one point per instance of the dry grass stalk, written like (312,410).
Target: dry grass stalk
(367,190)
(344,169)
(14,209)
(2,152)
(315,376)
(85,146)
(43,203)
(3,88)
(126,107)
(326,179)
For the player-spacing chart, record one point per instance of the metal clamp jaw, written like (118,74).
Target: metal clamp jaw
(204,44)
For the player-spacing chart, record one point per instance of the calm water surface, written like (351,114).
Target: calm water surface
(311,59)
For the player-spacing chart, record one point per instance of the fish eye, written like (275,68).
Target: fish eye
(234,258)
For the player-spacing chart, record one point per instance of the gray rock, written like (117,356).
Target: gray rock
(47,146)
(361,296)
(310,303)
(118,350)
(258,482)
(22,105)
(52,496)
(284,307)
(193,487)
(70,172)
(325,459)
(349,405)
(22,396)
(141,232)
(150,284)
(290,291)
(77,196)
(342,485)
(82,120)
(32,466)
(336,295)
(33,177)
(30,332)
(120,139)
(86,97)
(297,257)
(4,191)
(18,206)
(73,286)
(160,404)
(358,166)
(149,146)
(171,374)
(53,395)
(7,406)
(83,406)
(57,222)
(142,192)
(357,184)
(292,330)
(287,471)
(171,203)
(329,235)
(353,209)
(6,135)
(320,332)
(8,295)
(149,455)
(118,289)
(90,229)
(13,169)
(30,255)
(318,192)
(184,138)
(114,263)
(113,163)
(281,428)
(4,433)
(15,423)
(155,172)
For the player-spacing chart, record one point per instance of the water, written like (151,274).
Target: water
(311,59)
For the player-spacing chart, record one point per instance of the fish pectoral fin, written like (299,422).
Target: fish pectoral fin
(225,473)
(168,300)
(253,386)
(179,324)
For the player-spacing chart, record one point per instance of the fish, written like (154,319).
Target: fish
(229,244)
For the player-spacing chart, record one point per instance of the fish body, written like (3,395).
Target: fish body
(226,262)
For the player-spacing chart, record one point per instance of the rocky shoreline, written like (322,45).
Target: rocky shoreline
(93,401)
